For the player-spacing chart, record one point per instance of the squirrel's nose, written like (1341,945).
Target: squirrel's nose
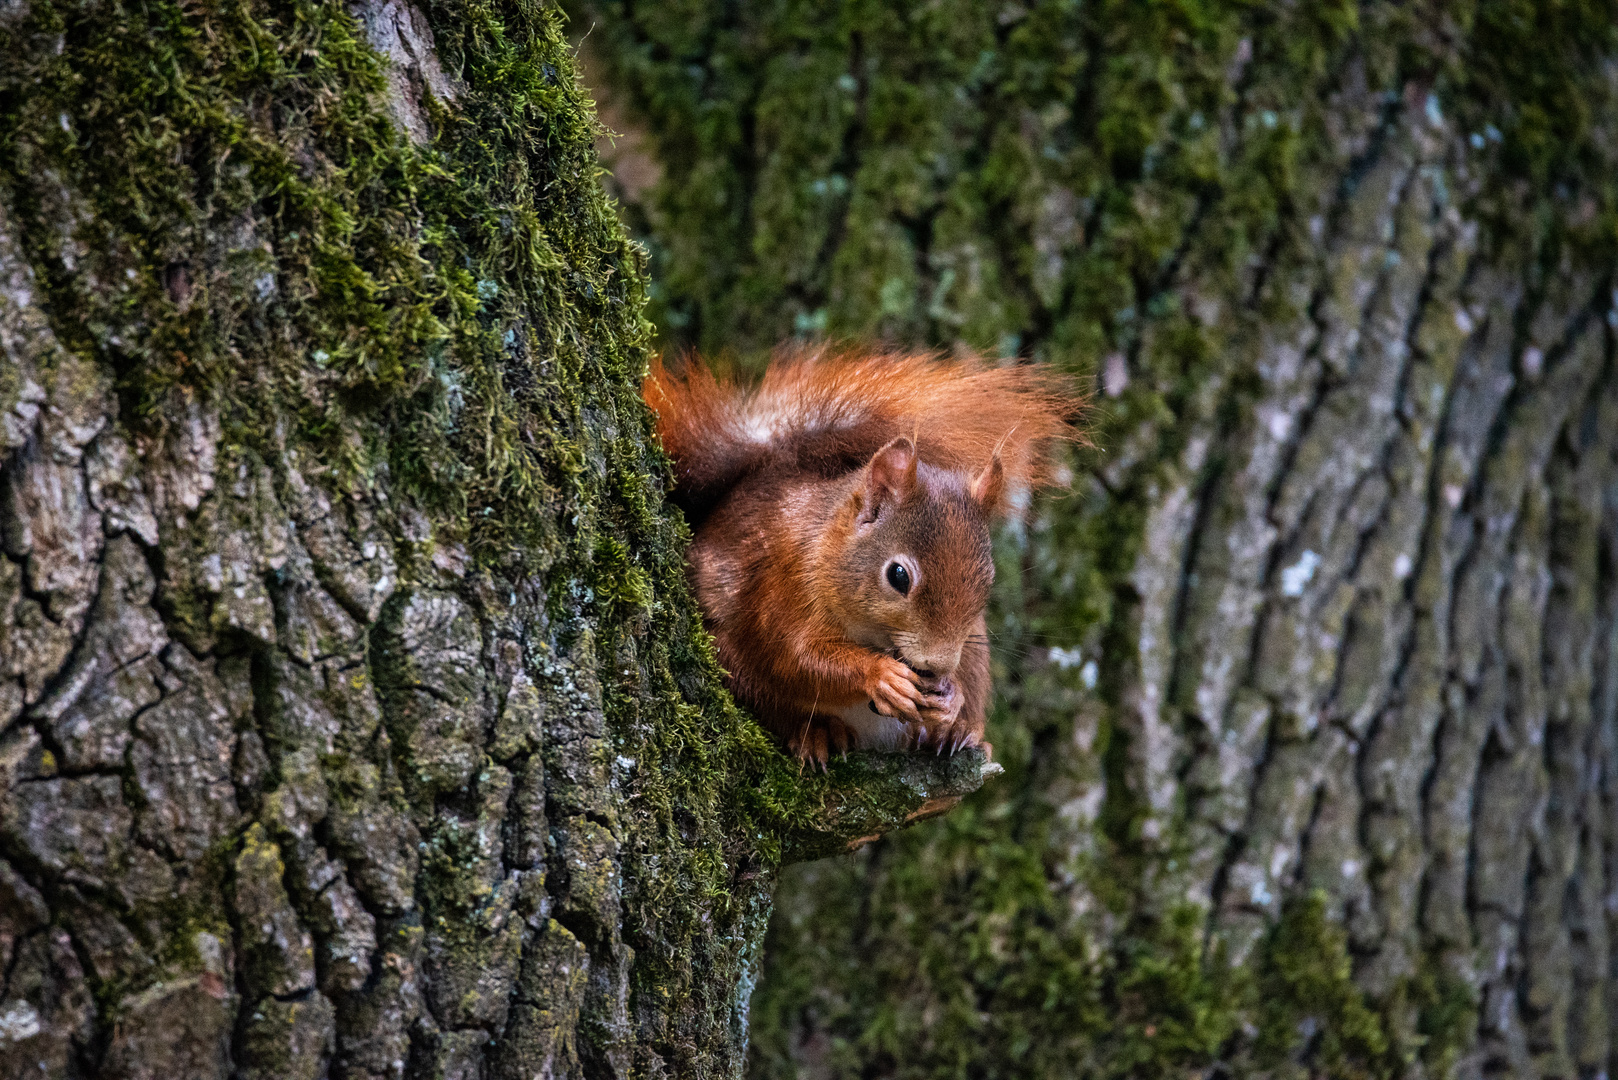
(935,662)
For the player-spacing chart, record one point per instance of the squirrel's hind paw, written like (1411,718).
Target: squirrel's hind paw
(818,739)
(948,738)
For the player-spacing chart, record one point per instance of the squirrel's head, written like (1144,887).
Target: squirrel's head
(914,570)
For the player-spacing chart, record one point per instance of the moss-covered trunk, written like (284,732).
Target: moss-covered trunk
(354,718)
(1310,691)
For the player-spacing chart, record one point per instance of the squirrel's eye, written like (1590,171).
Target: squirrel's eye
(899,578)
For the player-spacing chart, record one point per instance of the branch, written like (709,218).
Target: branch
(875,793)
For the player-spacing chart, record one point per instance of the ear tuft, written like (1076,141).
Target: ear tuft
(892,472)
(990,485)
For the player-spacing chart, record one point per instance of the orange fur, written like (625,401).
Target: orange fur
(805,490)
(826,412)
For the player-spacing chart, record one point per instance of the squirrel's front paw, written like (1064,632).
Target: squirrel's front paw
(940,702)
(896,690)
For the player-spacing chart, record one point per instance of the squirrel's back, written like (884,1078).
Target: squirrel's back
(825,412)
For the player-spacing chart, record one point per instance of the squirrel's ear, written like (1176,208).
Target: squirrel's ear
(892,471)
(990,484)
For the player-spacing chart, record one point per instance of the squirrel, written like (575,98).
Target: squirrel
(840,514)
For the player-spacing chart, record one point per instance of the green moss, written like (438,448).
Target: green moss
(1019,993)
(1309,1009)
(1446,1010)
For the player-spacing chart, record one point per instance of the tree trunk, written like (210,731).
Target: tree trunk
(354,716)
(1310,690)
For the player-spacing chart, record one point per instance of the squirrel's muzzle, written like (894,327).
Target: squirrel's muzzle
(933,662)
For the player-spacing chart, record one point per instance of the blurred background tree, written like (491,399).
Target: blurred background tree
(1308,689)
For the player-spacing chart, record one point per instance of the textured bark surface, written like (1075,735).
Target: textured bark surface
(354,718)
(1310,693)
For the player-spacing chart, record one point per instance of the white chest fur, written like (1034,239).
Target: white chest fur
(872,730)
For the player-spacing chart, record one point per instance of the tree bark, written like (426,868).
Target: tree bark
(355,720)
(1310,691)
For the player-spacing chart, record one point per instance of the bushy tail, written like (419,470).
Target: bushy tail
(826,412)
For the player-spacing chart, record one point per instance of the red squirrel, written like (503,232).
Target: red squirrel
(841,513)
